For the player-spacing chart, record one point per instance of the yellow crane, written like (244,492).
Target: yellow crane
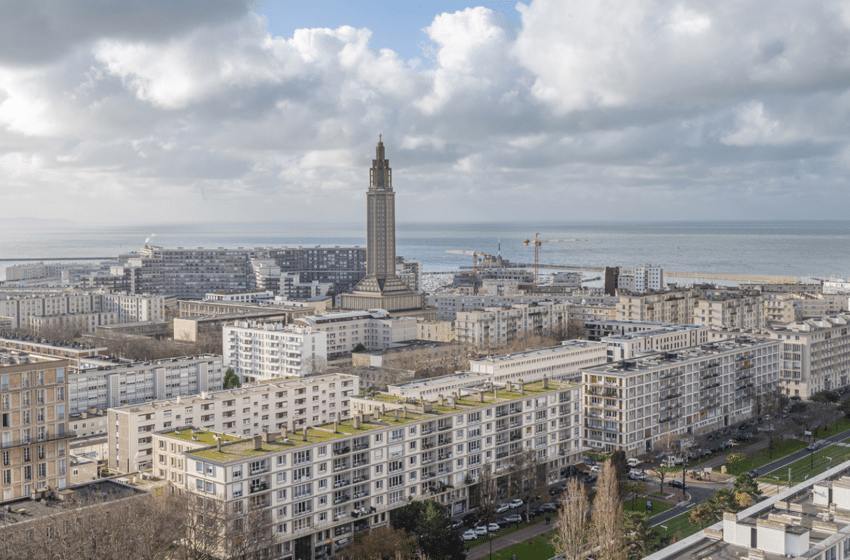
(537,243)
(475,255)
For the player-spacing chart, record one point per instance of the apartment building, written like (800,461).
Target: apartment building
(266,351)
(648,277)
(374,330)
(673,306)
(584,311)
(729,309)
(449,305)
(289,311)
(662,339)
(291,403)
(597,330)
(82,309)
(319,487)
(71,351)
(191,273)
(134,308)
(815,355)
(104,382)
(497,326)
(83,322)
(436,331)
(33,420)
(26,307)
(635,405)
(563,362)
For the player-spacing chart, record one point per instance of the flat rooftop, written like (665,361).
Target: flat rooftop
(565,346)
(245,448)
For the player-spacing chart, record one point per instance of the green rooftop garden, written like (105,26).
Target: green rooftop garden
(200,436)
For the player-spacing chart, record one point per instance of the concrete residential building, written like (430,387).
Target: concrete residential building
(374,329)
(663,339)
(436,331)
(815,355)
(104,382)
(635,404)
(563,362)
(649,278)
(584,311)
(498,326)
(73,352)
(323,485)
(246,296)
(134,308)
(597,330)
(294,403)
(673,306)
(449,305)
(33,421)
(611,280)
(266,351)
(729,309)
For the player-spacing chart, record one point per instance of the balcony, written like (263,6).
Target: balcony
(31,441)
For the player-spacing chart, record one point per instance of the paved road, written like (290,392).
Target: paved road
(499,543)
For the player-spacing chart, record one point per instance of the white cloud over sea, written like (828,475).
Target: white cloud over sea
(193,110)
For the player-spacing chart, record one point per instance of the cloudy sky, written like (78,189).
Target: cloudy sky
(227,110)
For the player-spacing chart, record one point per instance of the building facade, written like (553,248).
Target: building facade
(374,330)
(449,305)
(34,438)
(291,403)
(730,309)
(563,362)
(498,326)
(266,351)
(103,383)
(638,405)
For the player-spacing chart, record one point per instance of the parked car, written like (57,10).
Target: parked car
(633,462)
(513,519)
(481,530)
(457,524)
(493,527)
(676,483)
(469,535)
(503,508)
(636,475)
(516,503)
(549,507)
(753,473)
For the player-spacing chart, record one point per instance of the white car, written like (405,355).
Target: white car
(503,508)
(493,527)
(470,535)
(516,503)
(633,462)
(481,530)
(636,475)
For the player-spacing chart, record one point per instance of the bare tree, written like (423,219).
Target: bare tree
(487,495)
(527,477)
(607,517)
(316,365)
(572,527)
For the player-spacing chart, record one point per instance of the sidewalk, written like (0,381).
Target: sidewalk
(524,534)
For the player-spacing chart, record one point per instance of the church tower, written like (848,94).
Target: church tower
(381,288)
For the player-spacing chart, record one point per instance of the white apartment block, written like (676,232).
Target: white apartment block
(634,405)
(722,309)
(266,351)
(323,485)
(83,322)
(626,283)
(497,326)
(26,307)
(815,355)
(596,330)
(584,312)
(247,296)
(290,404)
(71,351)
(107,383)
(134,308)
(663,339)
(649,278)
(562,362)
(449,305)
(374,329)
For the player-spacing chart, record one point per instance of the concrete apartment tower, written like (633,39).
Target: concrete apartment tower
(381,288)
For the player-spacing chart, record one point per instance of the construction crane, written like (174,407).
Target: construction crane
(475,255)
(537,243)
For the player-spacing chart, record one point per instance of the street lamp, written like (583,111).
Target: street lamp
(812,459)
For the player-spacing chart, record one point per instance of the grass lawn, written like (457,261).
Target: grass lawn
(763,457)
(640,505)
(537,548)
(507,531)
(801,469)
(679,525)
(836,427)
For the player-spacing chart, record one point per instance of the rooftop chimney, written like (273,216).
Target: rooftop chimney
(442,400)
(495,393)
(285,431)
(357,421)
(336,424)
(521,387)
(267,437)
(405,410)
(396,414)
(258,443)
(305,433)
(545,382)
(480,396)
(218,444)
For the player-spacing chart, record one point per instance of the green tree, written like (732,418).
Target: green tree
(427,520)
(711,510)
(231,380)
(638,535)
(824,397)
(734,459)
(844,407)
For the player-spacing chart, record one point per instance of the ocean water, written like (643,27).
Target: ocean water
(799,248)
